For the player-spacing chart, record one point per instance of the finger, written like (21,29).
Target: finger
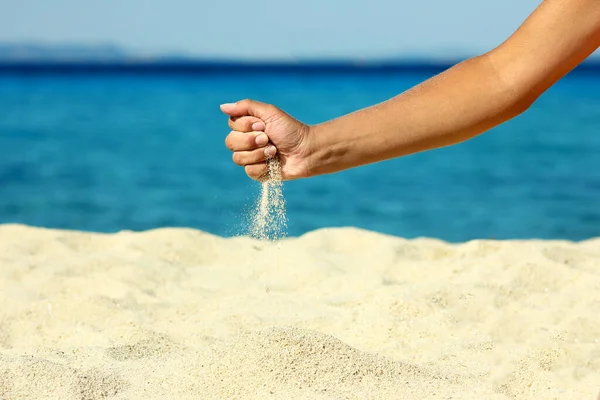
(257,171)
(244,158)
(246,124)
(240,141)
(247,107)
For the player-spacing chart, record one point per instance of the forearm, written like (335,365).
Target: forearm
(469,98)
(454,106)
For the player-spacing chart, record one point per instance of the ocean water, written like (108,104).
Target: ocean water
(107,152)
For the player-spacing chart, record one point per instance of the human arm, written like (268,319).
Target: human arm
(458,104)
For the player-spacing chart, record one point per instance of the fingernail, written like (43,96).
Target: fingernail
(270,151)
(258,126)
(262,140)
(228,105)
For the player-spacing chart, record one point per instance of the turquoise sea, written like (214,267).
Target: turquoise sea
(112,151)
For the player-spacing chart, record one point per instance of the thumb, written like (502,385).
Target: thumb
(247,107)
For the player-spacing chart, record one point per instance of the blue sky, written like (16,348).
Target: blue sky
(273,29)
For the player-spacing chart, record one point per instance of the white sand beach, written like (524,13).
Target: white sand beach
(334,314)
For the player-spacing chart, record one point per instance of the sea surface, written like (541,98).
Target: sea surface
(112,151)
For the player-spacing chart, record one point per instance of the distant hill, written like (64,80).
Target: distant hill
(100,57)
(30,53)
(35,52)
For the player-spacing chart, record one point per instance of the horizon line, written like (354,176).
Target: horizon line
(193,66)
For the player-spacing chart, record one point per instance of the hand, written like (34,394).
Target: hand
(259,132)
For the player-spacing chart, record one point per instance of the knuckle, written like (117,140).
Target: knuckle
(229,141)
(251,172)
(237,158)
(256,171)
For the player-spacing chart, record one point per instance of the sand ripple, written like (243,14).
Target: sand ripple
(335,314)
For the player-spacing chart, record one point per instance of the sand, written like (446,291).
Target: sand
(334,314)
(268,220)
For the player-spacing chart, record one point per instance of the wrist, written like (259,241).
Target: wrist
(310,149)
(321,153)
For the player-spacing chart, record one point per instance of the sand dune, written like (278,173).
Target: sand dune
(334,314)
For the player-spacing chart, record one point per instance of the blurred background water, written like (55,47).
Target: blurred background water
(106,152)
